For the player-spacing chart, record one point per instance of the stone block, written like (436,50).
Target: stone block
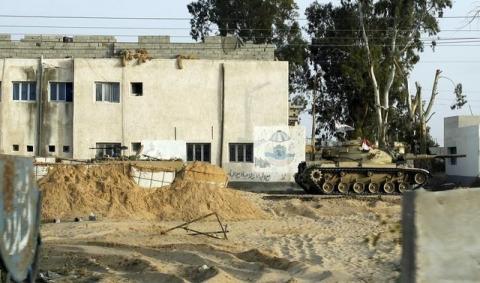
(153,39)
(5,37)
(441,240)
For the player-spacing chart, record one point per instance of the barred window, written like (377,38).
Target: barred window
(61,91)
(25,91)
(198,152)
(105,149)
(108,92)
(241,152)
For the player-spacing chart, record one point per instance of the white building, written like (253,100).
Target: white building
(462,136)
(233,113)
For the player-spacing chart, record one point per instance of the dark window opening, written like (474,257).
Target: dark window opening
(24,91)
(137,89)
(16,147)
(60,91)
(108,92)
(66,148)
(198,152)
(51,148)
(136,147)
(452,150)
(241,152)
(29,148)
(109,149)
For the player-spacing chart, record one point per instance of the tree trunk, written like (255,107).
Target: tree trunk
(422,122)
(312,157)
(376,89)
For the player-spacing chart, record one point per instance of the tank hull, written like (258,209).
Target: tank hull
(338,179)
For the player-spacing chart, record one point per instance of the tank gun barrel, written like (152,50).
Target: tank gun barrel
(431,156)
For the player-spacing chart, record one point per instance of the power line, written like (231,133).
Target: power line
(438,40)
(254,46)
(164,18)
(93,27)
(216,30)
(446,44)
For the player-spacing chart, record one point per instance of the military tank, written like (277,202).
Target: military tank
(355,169)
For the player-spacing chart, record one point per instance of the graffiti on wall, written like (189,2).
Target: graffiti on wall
(277,152)
(278,149)
(248,176)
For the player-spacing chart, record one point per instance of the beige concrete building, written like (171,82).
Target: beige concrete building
(462,136)
(230,112)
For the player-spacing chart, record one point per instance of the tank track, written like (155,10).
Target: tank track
(316,179)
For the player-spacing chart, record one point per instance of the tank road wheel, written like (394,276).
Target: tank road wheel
(420,178)
(343,187)
(403,187)
(358,188)
(327,188)
(389,187)
(373,188)
(316,175)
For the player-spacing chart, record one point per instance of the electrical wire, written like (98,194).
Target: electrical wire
(168,18)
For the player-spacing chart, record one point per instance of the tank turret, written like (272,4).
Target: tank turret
(355,168)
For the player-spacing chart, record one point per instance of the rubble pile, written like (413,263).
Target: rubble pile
(71,191)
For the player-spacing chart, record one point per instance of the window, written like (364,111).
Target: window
(241,152)
(137,89)
(16,147)
(452,150)
(51,148)
(136,146)
(66,149)
(108,92)
(198,152)
(29,148)
(61,91)
(109,149)
(24,91)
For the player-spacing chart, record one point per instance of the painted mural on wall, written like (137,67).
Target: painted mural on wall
(277,153)
(278,149)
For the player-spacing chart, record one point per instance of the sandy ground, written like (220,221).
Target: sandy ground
(312,240)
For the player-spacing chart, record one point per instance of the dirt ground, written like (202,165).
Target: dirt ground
(312,240)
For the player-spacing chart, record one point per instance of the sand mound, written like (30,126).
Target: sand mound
(206,173)
(77,190)
(188,200)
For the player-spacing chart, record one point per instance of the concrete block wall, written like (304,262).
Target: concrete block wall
(159,47)
(440,236)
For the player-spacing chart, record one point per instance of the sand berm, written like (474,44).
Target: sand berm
(107,190)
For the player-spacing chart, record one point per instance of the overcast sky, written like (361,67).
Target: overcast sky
(459,63)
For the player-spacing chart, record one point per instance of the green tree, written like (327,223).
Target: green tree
(365,50)
(390,33)
(259,21)
(333,56)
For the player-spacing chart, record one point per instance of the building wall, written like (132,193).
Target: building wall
(100,46)
(178,104)
(192,104)
(463,132)
(18,119)
(57,117)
